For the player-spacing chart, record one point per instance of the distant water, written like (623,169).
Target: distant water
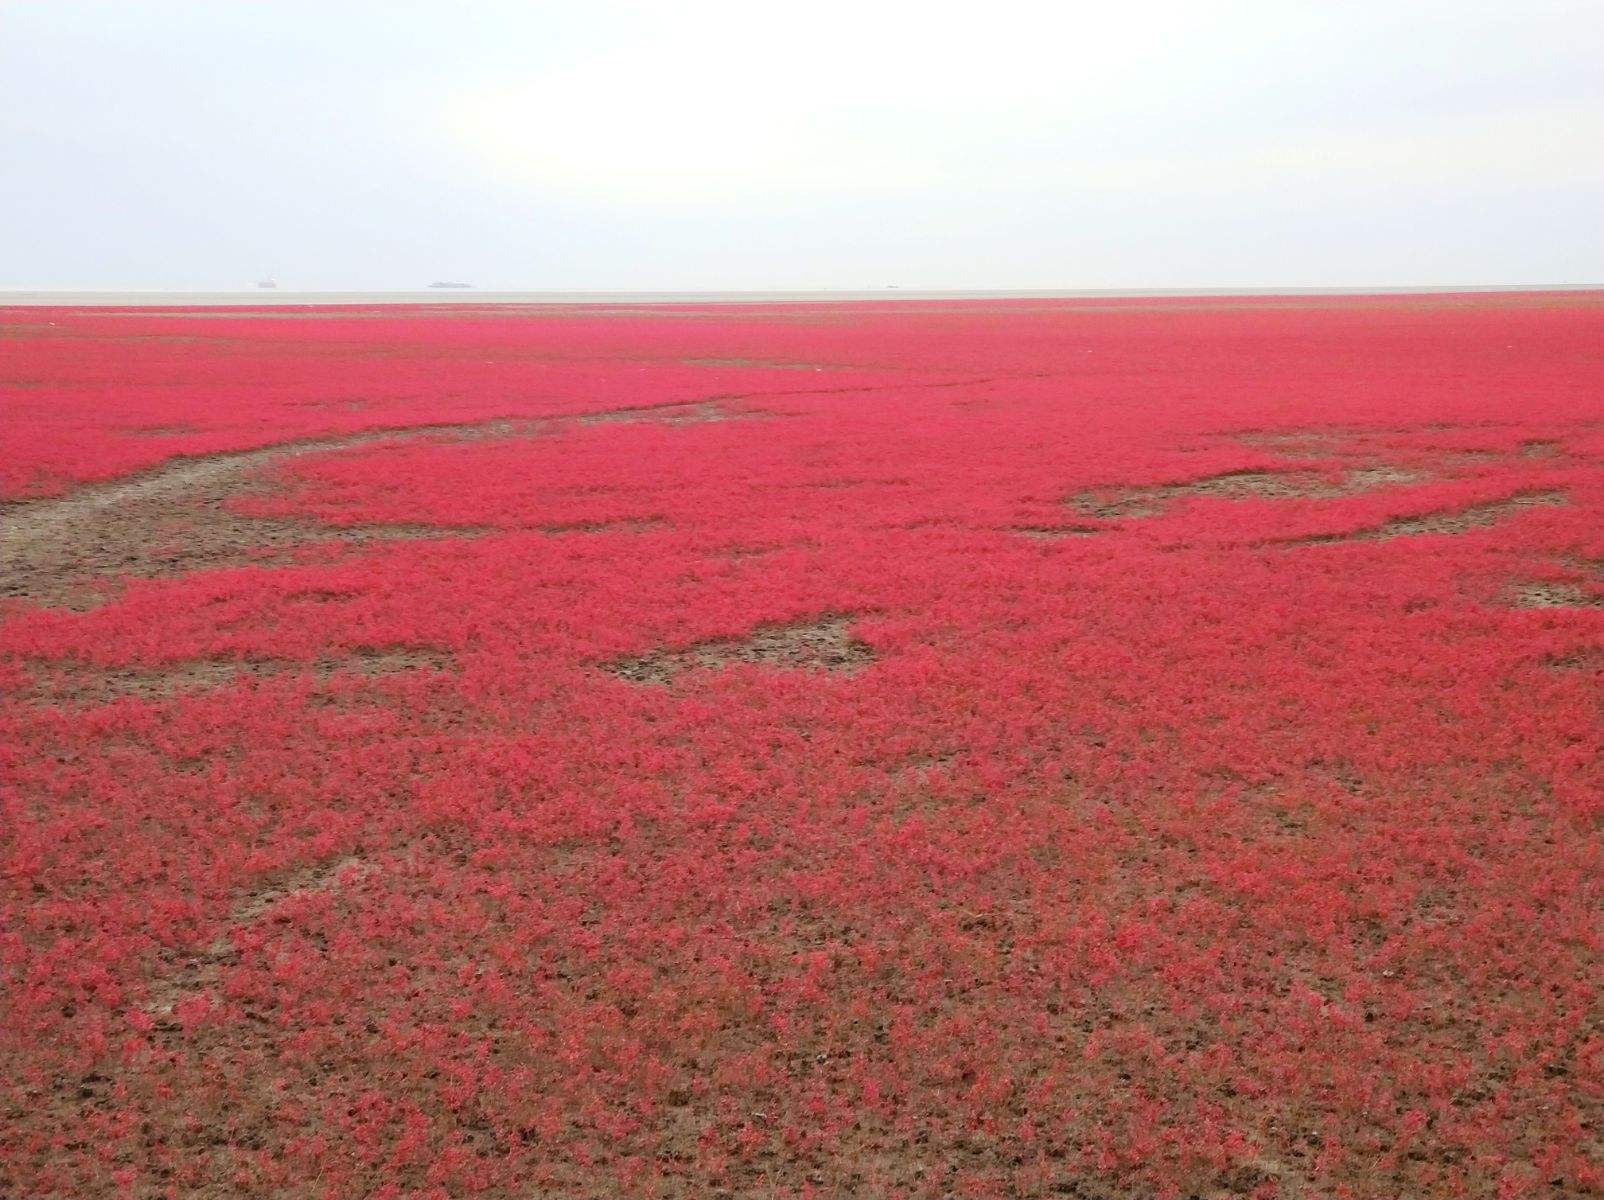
(457,297)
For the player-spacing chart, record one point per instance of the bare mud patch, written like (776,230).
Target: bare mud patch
(1053,533)
(1449,521)
(322,595)
(1350,443)
(620,525)
(1147,501)
(1586,659)
(823,644)
(1302,442)
(178,517)
(184,479)
(770,363)
(666,414)
(73,683)
(314,878)
(1554,594)
(740,553)
(73,557)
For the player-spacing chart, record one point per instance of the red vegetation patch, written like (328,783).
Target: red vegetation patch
(1221,831)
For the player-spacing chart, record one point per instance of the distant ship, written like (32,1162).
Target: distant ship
(443,283)
(269,282)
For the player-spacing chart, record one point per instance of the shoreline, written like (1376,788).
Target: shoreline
(459,297)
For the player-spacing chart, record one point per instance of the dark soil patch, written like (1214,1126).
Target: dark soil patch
(823,644)
(1451,521)
(1150,500)
(1554,594)
(622,525)
(149,531)
(1539,448)
(1586,659)
(1309,442)
(771,364)
(177,517)
(668,414)
(1053,533)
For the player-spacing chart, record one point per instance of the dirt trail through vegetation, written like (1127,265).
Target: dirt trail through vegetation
(823,644)
(178,516)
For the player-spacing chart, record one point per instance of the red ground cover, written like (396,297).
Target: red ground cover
(1094,748)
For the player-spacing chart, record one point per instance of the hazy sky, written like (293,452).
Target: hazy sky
(750,144)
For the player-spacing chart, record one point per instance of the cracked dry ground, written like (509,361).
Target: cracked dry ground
(1105,749)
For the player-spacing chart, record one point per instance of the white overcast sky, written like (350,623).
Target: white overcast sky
(587,144)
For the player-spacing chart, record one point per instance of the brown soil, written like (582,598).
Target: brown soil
(823,644)
(623,525)
(1053,533)
(740,553)
(1554,595)
(160,525)
(1309,442)
(177,517)
(1585,659)
(76,683)
(1453,521)
(1539,448)
(1236,485)
(771,364)
(670,414)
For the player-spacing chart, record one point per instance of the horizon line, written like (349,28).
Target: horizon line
(458,296)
